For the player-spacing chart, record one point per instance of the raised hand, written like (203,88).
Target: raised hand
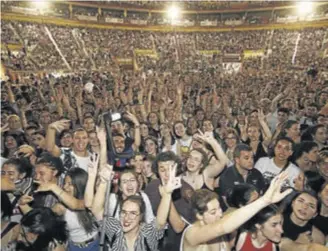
(25,150)
(207,137)
(93,165)
(106,173)
(60,125)
(173,182)
(261,115)
(131,117)
(274,194)
(4,128)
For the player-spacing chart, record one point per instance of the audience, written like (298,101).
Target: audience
(163,140)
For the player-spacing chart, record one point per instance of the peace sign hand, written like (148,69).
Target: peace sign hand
(173,182)
(93,165)
(207,137)
(274,194)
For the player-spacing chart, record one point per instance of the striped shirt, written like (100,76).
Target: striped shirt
(147,240)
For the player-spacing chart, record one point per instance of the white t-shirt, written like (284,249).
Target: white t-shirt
(269,170)
(81,162)
(75,229)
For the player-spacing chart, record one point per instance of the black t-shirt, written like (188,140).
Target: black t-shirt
(231,177)
(291,230)
(181,200)
(321,222)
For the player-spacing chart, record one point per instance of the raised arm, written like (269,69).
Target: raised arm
(213,170)
(92,176)
(105,175)
(137,136)
(68,200)
(197,234)
(51,136)
(166,193)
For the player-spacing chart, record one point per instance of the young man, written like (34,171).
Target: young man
(271,167)
(78,156)
(241,172)
(207,233)
(180,209)
(299,232)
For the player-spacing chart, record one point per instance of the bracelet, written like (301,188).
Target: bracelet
(137,127)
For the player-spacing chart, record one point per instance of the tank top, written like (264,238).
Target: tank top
(204,247)
(248,245)
(75,229)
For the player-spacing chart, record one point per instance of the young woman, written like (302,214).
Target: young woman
(200,172)
(131,232)
(183,139)
(80,224)
(66,139)
(257,135)
(19,171)
(128,186)
(147,169)
(231,140)
(290,129)
(12,142)
(168,142)
(151,146)
(263,233)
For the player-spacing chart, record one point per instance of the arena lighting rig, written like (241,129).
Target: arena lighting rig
(173,12)
(304,8)
(40,4)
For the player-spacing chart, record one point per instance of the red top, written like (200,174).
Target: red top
(248,245)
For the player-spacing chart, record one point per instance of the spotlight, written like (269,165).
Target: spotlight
(305,8)
(173,12)
(40,4)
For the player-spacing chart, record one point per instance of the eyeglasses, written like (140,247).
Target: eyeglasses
(131,215)
(128,181)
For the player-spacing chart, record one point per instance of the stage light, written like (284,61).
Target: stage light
(40,4)
(173,12)
(305,8)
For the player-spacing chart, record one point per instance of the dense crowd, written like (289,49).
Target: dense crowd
(174,153)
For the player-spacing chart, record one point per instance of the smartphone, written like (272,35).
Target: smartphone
(116,116)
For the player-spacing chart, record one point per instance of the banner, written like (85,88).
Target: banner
(253,53)
(149,53)
(138,22)
(208,52)
(208,23)
(114,20)
(184,23)
(233,22)
(231,68)
(27,11)
(87,18)
(124,61)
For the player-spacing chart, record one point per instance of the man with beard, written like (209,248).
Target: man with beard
(123,144)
